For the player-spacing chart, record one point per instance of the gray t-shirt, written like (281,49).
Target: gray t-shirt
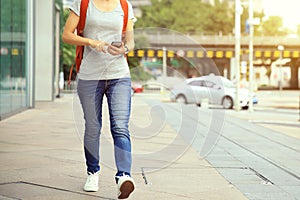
(105,26)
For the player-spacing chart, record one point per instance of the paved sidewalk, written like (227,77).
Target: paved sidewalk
(286,99)
(42,158)
(279,111)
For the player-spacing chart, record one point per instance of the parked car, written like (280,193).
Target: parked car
(136,88)
(216,90)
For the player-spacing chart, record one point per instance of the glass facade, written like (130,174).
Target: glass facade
(13,76)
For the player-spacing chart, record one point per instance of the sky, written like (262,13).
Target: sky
(289,10)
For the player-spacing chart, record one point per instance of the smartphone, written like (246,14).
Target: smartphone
(116,44)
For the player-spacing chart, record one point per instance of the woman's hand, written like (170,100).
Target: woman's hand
(113,50)
(100,46)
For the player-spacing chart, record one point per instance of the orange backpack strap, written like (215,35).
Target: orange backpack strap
(80,27)
(82,18)
(124,5)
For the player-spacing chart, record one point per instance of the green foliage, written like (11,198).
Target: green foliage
(138,74)
(156,15)
(273,27)
(60,4)
(68,54)
(219,19)
(188,17)
(67,49)
(133,62)
(194,16)
(173,14)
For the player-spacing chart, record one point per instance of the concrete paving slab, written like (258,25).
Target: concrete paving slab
(42,158)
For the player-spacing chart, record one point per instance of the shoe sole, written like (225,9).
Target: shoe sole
(91,190)
(126,189)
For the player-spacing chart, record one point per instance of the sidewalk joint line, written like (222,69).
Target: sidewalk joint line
(9,197)
(144,177)
(264,158)
(54,188)
(267,181)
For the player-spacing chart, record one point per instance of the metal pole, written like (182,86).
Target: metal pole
(280,65)
(280,48)
(30,54)
(237,51)
(57,47)
(164,69)
(251,31)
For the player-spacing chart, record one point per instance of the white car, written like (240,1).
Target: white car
(217,90)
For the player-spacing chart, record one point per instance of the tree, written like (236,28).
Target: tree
(177,15)
(156,15)
(273,27)
(191,17)
(195,16)
(244,21)
(219,18)
(67,49)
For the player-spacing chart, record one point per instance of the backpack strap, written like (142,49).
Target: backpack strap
(124,5)
(80,27)
(82,18)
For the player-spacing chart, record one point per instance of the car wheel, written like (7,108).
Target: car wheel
(181,99)
(227,102)
(245,107)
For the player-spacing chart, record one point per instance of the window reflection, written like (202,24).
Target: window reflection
(12,56)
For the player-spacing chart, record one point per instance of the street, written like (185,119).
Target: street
(257,152)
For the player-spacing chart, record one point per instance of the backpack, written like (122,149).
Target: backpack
(80,27)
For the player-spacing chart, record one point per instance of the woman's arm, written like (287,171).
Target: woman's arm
(129,39)
(70,37)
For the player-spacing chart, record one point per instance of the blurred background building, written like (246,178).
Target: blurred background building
(30,52)
(29,56)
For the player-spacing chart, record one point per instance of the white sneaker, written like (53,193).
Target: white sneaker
(125,186)
(92,182)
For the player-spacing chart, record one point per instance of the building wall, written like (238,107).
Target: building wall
(13,68)
(27,56)
(44,48)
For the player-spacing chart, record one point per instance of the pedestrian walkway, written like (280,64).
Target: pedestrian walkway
(276,110)
(42,158)
(286,99)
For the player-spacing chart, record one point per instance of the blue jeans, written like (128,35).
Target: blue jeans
(118,93)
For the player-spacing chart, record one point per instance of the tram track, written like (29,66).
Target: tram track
(234,121)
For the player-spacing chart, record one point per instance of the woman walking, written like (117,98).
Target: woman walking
(104,72)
